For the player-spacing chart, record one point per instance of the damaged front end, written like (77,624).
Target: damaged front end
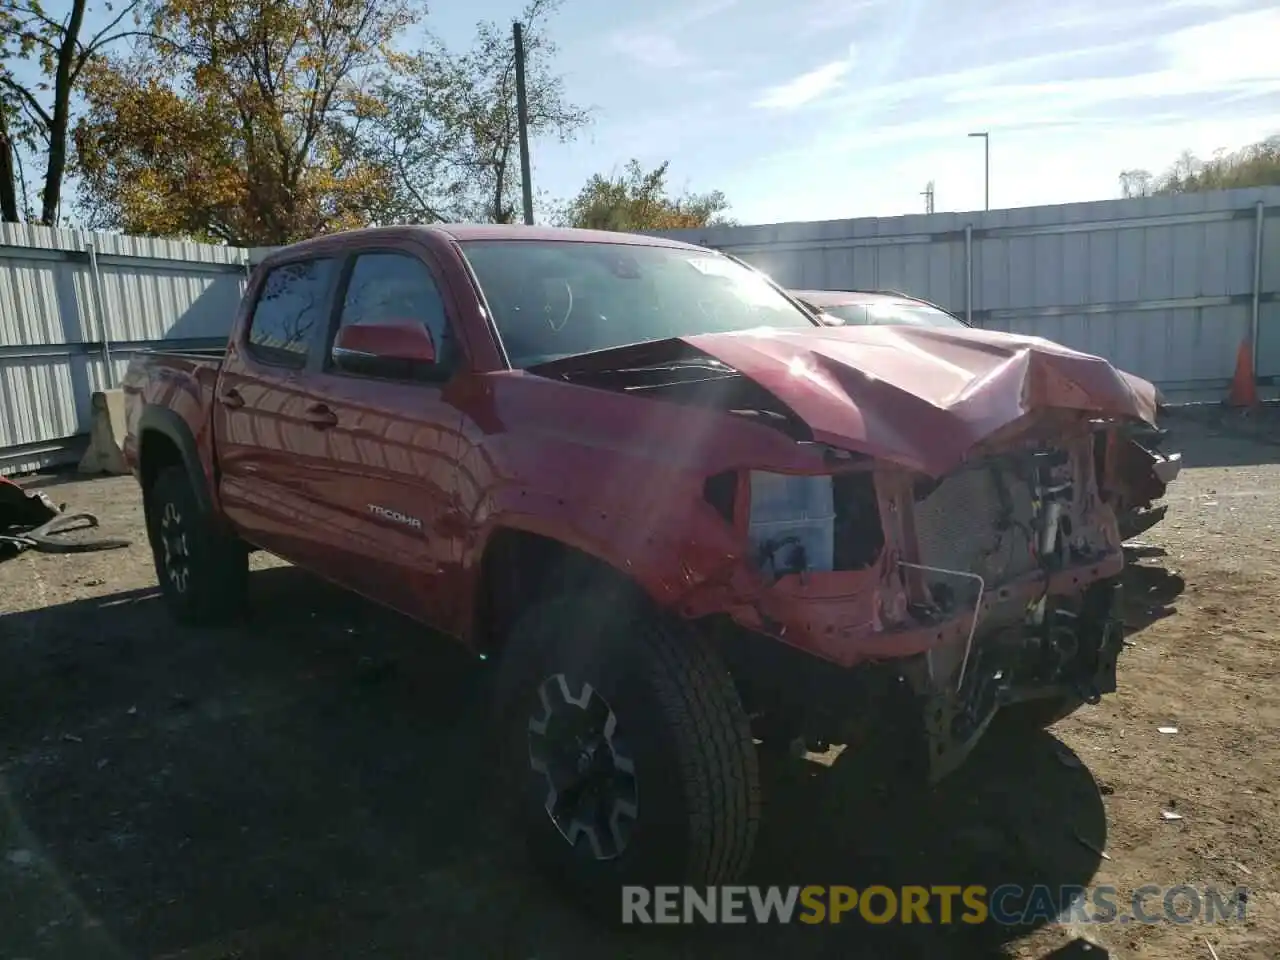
(1138,476)
(945,550)
(937,602)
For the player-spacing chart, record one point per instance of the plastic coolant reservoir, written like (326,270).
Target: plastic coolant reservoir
(789,512)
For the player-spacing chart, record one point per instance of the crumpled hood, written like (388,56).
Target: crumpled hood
(923,396)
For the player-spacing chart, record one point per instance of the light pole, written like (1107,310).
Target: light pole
(986,168)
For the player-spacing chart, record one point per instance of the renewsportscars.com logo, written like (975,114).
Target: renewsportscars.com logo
(1009,904)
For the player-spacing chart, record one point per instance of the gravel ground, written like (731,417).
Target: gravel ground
(307,786)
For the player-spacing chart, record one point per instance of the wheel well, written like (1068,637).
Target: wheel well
(519,568)
(156,451)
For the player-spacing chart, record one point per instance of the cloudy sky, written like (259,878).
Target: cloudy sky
(820,109)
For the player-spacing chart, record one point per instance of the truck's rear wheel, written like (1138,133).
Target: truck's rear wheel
(203,571)
(626,754)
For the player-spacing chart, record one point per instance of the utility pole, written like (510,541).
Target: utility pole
(927,193)
(522,118)
(986,168)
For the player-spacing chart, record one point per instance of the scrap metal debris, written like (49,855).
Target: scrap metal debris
(1092,846)
(33,521)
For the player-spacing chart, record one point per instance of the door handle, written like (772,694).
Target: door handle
(319,415)
(231,398)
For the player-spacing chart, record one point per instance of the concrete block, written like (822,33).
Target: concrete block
(106,434)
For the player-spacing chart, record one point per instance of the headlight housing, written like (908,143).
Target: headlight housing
(791,523)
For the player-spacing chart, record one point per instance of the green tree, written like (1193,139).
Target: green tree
(240,121)
(637,199)
(36,115)
(448,131)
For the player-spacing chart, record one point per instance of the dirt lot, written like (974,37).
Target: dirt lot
(306,787)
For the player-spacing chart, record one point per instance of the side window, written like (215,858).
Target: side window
(398,288)
(292,303)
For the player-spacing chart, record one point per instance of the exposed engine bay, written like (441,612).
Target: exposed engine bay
(996,583)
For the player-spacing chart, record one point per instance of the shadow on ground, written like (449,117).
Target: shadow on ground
(309,786)
(1150,589)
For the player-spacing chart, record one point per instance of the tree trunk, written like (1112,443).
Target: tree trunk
(51,197)
(8,179)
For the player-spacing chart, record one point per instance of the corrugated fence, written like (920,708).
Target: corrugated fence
(1166,287)
(75,306)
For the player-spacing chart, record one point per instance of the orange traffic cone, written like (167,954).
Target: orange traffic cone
(1244,392)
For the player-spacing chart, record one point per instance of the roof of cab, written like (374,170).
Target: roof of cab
(463,232)
(510,231)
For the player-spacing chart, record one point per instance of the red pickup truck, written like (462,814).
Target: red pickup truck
(682,518)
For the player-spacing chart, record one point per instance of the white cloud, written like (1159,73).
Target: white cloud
(656,51)
(654,44)
(1229,56)
(1098,16)
(1236,48)
(824,15)
(1063,123)
(807,87)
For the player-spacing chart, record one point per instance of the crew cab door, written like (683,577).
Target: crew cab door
(387,484)
(265,445)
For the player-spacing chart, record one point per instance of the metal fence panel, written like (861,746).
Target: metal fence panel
(75,306)
(1163,286)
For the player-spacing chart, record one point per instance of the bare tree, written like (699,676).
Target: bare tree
(1135,183)
(449,127)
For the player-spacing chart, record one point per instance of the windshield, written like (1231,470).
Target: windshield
(894,312)
(553,299)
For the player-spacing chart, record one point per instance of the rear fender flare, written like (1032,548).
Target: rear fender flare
(167,423)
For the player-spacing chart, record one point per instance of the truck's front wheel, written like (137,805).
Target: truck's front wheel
(626,753)
(203,571)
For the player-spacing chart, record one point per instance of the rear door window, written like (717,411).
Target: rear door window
(293,304)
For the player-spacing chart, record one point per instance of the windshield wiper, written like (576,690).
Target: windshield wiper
(708,364)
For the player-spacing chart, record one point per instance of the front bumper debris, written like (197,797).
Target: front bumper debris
(1167,467)
(1004,669)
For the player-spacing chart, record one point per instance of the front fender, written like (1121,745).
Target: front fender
(668,556)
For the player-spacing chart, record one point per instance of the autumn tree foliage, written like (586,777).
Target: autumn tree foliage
(262,122)
(239,121)
(1256,165)
(638,199)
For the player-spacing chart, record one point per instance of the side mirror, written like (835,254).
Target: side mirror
(401,350)
(827,320)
